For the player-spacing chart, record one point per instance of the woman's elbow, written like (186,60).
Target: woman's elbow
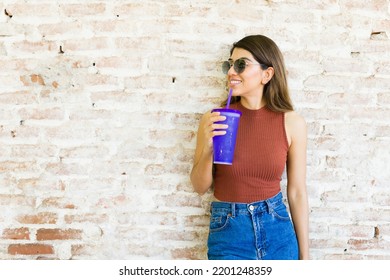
(199,184)
(200,189)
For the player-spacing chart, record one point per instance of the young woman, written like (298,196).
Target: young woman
(249,219)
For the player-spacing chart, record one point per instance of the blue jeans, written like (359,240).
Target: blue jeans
(255,231)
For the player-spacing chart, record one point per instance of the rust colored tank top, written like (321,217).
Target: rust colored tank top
(259,158)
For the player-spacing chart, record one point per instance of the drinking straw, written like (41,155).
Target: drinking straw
(229,97)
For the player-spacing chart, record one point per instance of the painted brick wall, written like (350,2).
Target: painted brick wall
(100,102)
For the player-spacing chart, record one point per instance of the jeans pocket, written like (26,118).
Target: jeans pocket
(280,212)
(219,220)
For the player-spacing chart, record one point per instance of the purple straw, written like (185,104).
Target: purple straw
(229,97)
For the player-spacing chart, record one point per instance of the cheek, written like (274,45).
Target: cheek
(253,79)
(255,73)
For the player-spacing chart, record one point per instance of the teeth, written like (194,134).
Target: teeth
(235,82)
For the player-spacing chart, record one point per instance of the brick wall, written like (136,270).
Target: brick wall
(100,102)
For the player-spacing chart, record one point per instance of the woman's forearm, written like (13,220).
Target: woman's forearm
(201,174)
(300,216)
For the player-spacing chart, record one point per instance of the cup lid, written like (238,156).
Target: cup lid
(227,110)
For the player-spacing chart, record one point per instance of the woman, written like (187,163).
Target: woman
(248,218)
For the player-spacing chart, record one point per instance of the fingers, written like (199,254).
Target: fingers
(216,117)
(214,126)
(219,129)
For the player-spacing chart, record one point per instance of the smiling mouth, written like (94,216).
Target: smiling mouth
(235,82)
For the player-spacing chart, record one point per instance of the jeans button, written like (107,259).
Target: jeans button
(251,207)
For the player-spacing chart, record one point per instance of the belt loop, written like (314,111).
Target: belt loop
(269,205)
(273,202)
(233,206)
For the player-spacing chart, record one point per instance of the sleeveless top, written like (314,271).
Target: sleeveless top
(259,158)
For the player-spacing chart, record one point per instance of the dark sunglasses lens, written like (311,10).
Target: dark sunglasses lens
(225,67)
(239,65)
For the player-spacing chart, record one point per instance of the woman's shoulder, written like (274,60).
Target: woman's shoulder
(294,118)
(295,123)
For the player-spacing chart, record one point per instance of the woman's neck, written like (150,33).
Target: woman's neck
(254,103)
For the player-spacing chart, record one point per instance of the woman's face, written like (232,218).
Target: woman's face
(251,81)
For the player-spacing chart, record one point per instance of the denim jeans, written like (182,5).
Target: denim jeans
(255,231)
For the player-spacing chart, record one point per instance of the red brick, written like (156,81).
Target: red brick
(16,233)
(30,249)
(40,218)
(58,234)
(58,202)
(192,253)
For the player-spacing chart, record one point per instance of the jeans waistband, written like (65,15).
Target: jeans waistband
(257,206)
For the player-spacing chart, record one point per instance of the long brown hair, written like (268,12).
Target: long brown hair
(265,51)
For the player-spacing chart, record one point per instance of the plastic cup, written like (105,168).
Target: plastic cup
(223,145)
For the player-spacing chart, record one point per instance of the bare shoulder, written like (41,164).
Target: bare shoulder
(294,119)
(295,125)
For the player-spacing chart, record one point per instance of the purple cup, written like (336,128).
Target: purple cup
(223,145)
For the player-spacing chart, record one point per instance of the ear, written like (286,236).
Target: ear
(267,75)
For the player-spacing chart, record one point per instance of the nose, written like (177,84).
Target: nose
(231,70)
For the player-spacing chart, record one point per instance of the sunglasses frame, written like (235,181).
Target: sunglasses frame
(239,65)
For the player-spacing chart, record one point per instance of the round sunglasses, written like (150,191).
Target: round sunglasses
(239,65)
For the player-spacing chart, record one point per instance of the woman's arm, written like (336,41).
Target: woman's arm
(201,174)
(296,180)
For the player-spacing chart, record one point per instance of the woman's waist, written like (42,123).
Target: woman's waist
(245,193)
(261,205)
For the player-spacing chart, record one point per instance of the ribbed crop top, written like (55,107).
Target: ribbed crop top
(259,158)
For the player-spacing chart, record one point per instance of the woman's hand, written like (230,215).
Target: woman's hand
(201,174)
(211,128)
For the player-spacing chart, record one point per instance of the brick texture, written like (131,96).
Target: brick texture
(100,103)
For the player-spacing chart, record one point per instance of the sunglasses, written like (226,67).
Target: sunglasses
(239,65)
